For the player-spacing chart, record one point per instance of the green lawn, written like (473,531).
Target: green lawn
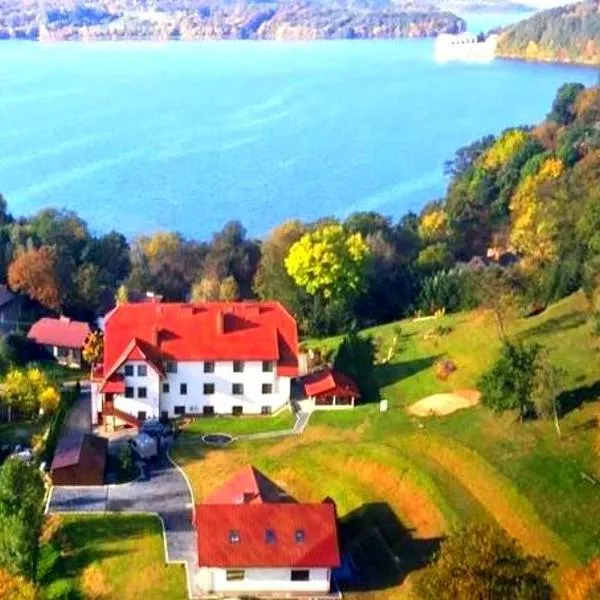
(435,473)
(116,557)
(240,425)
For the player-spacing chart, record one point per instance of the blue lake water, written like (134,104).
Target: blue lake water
(185,136)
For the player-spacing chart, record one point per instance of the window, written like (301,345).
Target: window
(142,370)
(208,410)
(61,352)
(234,536)
(183,389)
(299,536)
(300,575)
(265,410)
(179,410)
(270,536)
(128,370)
(128,392)
(142,392)
(208,389)
(267,366)
(171,367)
(141,415)
(166,388)
(235,574)
(238,366)
(267,388)
(209,367)
(164,416)
(237,410)
(237,389)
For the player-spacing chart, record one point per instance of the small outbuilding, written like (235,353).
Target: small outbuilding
(63,337)
(80,459)
(328,389)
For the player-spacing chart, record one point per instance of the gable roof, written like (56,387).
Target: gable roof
(329,382)
(317,522)
(205,331)
(62,332)
(248,486)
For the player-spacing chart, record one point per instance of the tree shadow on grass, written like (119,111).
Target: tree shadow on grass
(378,551)
(556,324)
(392,373)
(570,400)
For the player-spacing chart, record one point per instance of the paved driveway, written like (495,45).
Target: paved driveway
(80,415)
(165,493)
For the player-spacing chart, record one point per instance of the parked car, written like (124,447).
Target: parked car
(144,446)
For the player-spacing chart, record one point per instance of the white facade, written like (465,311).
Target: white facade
(212,579)
(193,388)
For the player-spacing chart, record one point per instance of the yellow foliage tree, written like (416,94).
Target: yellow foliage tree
(582,583)
(15,587)
(505,147)
(93,350)
(28,391)
(328,261)
(535,218)
(433,226)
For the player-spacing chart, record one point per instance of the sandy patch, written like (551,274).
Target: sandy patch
(445,404)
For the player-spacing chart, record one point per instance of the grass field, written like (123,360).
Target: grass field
(243,425)
(118,558)
(427,475)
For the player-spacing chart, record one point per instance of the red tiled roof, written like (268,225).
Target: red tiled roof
(317,522)
(206,331)
(61,332)
(328,382)
(115,384)
(248,486)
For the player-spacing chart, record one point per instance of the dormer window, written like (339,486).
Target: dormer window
(234,537)
(270,536)
(128,370)
(299,536)
(142,370)
(171,367)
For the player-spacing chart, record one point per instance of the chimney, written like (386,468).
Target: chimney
(155,336)
(220,322)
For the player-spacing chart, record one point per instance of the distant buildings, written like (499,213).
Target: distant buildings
(63,337)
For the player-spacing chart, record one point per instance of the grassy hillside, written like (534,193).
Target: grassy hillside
(564,34)
(402,482)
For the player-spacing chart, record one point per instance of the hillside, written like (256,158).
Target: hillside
(198,20)
(568,34)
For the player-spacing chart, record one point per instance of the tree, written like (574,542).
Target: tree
(509,383)
(504,149)
(229,290)
(21,516)
(122,294)
(93,350)
(435,258)
(206,290)
(34,274)
(272,281)
(547,384)
(582,583)
(563,106)
(29,390)
(481,562)
(15,587)
(355,357)
(328,262)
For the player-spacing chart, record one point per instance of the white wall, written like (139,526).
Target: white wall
(266,580)
(252,378)
(151,404)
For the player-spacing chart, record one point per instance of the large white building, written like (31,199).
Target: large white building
(254,539)
(167,360)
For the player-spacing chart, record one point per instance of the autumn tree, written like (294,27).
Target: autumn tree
(229,290)
(205,290)
(563,107)
(481,562)
(27,391)
(328,262)
(582,583)
(15,587)
(33,273)
(93,350)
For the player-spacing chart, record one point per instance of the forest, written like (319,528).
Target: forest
(521,219)
(568,34)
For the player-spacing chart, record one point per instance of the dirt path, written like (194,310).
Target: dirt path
(497,494)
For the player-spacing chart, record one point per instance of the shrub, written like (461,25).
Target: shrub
(60,589)
(450,290)
(444,368)
(49,563)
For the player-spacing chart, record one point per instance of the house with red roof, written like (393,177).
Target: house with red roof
(327,388)
(172,359)
(63,337)
(253,538)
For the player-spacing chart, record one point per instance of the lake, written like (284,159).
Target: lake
(186,136)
